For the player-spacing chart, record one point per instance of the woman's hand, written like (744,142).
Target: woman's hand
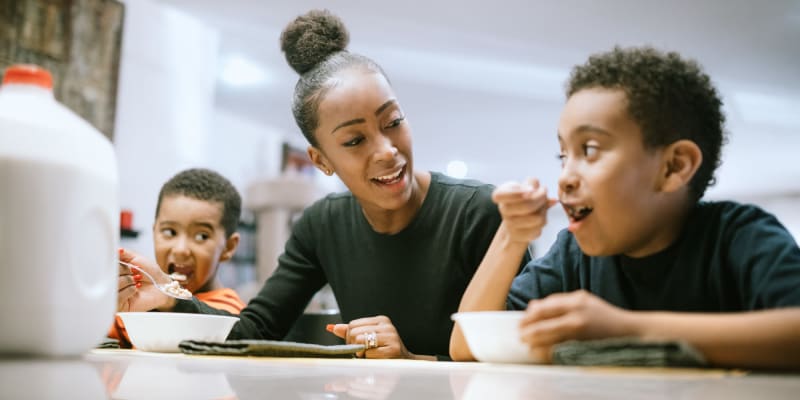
(136,293)
(127,283)
(523,207)
(578,315)
(387,341)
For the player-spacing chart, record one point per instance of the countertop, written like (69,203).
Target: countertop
(131,374)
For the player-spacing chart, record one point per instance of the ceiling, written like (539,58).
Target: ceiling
(482,81)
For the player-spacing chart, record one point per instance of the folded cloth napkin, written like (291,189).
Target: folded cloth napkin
(269,348)
(628,352)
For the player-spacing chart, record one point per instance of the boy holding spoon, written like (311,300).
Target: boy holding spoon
(197,215)
(643,256)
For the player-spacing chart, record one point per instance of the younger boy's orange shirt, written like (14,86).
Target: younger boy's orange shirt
(222,299)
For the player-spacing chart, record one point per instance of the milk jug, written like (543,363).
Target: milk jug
(59,222)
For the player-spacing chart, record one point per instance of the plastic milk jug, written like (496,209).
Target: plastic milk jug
(59,222)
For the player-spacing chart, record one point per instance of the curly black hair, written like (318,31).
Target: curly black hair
(315,46)
(670,97)
(206,185)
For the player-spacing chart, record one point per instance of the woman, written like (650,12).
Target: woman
(398,249)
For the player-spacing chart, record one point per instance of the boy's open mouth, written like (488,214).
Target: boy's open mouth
(181,269)
(577,213)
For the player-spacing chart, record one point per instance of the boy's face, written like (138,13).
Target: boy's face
(189,239)
(609,182)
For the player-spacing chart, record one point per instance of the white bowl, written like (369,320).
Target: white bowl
(162,331)
(493,336)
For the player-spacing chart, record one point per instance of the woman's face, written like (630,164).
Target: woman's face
(363,137)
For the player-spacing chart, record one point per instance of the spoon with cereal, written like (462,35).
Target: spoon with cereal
(172,289)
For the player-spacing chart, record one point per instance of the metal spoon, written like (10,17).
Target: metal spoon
(172,289)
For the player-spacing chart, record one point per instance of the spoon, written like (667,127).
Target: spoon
(172,289)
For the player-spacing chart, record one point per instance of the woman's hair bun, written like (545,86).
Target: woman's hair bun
(311,38)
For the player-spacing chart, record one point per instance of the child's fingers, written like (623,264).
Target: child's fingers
(547,332)
(525,223)
(515,192)
(522,207)
(551,307)
(533,183)
(511,190)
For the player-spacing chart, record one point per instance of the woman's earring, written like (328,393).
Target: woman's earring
(328,172)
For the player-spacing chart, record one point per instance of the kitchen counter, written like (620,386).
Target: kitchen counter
(131,374)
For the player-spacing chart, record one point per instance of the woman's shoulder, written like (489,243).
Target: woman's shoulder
(455,189)
(330,203)
(461,199)
(447,181)
(323,210)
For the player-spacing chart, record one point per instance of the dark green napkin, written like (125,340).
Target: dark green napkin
(108,343)
(628,352)
(269,348)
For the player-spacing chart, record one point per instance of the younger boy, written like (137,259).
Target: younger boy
(640,138)
(197,215)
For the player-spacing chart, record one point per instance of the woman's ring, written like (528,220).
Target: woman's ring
(371,340)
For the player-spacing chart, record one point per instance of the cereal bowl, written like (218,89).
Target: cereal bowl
(493,336)
(162,331)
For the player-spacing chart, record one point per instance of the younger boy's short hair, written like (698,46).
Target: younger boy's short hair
(670,97)
(206,185)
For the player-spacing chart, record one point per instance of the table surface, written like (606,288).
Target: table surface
(131,374)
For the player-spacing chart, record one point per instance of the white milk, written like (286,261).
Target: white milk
(59,226)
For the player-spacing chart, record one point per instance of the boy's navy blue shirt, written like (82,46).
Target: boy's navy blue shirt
(729,257)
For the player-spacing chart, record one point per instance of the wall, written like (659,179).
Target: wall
(243,150)
(167,119)
(165,101)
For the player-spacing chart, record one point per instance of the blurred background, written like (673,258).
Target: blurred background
(203,83)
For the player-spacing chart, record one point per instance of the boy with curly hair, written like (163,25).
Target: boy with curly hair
(640,138)
(197,216)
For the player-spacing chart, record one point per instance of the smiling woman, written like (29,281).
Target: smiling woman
(400,246)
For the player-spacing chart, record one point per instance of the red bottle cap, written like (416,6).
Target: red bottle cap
(28,74)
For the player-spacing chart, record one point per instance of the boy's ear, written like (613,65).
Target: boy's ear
(681,161)
(230,247)
(319,160)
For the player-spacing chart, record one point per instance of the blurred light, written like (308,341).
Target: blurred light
(457,169)
(239,71)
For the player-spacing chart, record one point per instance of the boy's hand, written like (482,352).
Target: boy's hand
(578,315)
(523,207)
(140,294)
